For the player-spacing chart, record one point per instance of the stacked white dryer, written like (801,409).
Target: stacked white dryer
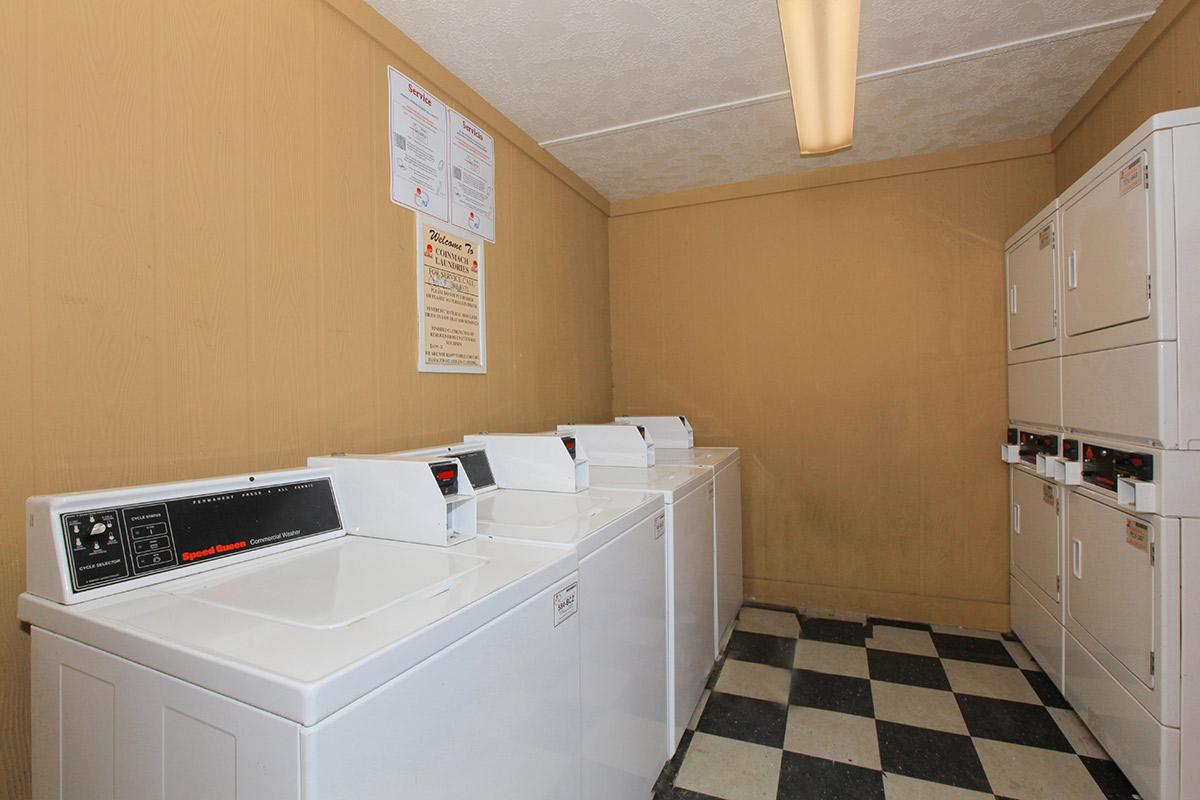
(1113,516)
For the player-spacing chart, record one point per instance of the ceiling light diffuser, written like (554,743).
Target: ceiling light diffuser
(820,41)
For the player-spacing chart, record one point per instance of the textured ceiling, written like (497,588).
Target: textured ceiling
(623,91)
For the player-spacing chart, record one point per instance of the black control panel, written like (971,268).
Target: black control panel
(1071,450)
(478,468)
(446,475)
(110,545)
(1103,465)
(569,442)
(1033,444)
(642,430)
(1014,436)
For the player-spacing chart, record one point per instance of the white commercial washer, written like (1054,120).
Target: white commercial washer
(619,539)
(674,438)
(688,493)
(226,638)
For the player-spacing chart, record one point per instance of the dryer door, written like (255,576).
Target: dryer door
(1035,542)
(1110,592)
(1106,247)
(1032,287)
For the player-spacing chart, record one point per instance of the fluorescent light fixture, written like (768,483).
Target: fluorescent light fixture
(820,40)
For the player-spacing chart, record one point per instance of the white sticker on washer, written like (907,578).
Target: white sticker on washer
(565,604)
(660,525)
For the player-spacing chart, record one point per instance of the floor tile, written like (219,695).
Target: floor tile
(699,709)
(1032,773)
(829,613)
(1017,723)
(776,651)
(986,680)
(831,692)
(974,633)
(901,640)
(1081,739)
(905,668)
(918,706)
(847,738)
(803,777)
(755,680)
(774,623)
(971,648)
(900,787)
(675,793)
(899,623)
(1046,691)
(744,718)
(1021,657)
(730,769)
(667,777)
(930,755)
(1113,784)
(834,630)
(837,659)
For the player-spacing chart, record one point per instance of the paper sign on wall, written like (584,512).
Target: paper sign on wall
(472,178)
(419,146)
(450,309)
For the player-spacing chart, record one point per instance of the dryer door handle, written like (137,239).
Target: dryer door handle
(1077,559)
(1016,517)
(1072,271)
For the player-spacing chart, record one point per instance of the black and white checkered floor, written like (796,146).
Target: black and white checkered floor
(826,709)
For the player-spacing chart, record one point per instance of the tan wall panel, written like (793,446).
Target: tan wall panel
(850,338)
(203,272)
(1163,77)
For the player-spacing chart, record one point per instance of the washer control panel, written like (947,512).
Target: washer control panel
(109,545)
(1033,444)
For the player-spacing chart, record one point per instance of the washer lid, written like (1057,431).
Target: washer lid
(332,587)
(715,457)
(585,520)
(674,481)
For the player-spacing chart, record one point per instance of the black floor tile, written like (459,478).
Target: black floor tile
(906,668)
(899,623)
(746,718)
(1047,692)
(772,607)
(761,648)
(667,777)
(832,692)
(833,630)
(803,777)
(1109,778)
(1007,721)
(972,648)
(930,755)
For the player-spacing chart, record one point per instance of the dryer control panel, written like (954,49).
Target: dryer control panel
(1102,466)
(1033,444)
(109,545)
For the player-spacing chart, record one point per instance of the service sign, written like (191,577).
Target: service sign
(450,308)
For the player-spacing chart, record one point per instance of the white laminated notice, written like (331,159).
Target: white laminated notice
(660,526)
(472,178)
(419,147)
(565,604)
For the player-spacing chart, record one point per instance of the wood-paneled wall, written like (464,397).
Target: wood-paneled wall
(850,338)
(202,272)
(1158,70)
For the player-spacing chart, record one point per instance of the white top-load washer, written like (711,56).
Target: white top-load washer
(619,538)
(688,494)
(226,638)
(675,445)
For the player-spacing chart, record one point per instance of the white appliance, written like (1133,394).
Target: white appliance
(225,638)
(688,494)
(546,462)
(1131,328)
(726,467)
(670,432)
(1034,340)
(619,539)
(610,445)
(1036,541)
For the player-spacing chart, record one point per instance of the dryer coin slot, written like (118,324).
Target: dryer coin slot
(569,443)
(446,475)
